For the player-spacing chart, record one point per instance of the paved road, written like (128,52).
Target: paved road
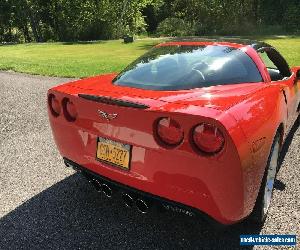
(43,205)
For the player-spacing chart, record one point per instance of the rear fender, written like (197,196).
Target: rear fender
(259,117)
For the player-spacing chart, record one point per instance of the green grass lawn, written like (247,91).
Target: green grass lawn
(72,59)
(87,59)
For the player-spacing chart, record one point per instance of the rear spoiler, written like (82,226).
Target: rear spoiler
(113,101)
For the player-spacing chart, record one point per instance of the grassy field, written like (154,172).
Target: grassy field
(87,59)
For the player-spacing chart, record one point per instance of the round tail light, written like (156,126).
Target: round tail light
(69,109)
(169,132)
(208,138)
(54,105)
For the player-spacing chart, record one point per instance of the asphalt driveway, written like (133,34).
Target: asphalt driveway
(44,205)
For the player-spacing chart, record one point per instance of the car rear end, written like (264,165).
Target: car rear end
(183,154)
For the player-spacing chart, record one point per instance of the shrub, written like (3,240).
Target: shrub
(175,27)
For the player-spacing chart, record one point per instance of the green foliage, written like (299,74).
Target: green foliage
(83,20)
(72,20)
(174,27)
(291,18)
(241,17)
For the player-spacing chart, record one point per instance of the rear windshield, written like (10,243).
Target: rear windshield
(188,67)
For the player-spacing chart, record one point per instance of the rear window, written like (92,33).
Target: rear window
(187,67)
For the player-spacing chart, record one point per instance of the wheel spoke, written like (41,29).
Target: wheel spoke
(271,173)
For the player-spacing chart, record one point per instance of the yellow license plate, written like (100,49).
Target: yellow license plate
(114,153)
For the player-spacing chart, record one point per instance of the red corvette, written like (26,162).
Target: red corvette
(193,125)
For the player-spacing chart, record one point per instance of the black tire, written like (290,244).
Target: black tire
(260,212)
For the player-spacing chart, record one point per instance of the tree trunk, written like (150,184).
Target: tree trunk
(255,7)
(26,33)
(33,22)
(34,27)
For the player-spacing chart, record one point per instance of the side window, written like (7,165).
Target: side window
(275,63)
(269,64)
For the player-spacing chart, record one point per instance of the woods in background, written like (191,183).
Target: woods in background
(82,20)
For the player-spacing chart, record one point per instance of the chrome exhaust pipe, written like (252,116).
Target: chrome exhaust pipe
(107,190)
(128,200)
(96,184)
(142,206)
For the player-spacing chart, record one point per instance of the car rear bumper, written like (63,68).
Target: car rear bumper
(119,189)
(209,210)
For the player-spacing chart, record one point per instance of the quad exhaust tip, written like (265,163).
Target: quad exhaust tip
(106,190)
(97,185)
(142,206)
(101,187)
(128,200)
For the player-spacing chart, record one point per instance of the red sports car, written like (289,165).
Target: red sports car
(192,125)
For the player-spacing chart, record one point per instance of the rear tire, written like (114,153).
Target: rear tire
(261,208)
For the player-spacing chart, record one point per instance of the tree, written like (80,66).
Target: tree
(73,20)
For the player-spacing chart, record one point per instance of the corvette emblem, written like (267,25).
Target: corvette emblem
(107,116)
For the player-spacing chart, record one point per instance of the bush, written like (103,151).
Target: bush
(10,36)
(238,29)
(249,29)
(271,30)
(175,27)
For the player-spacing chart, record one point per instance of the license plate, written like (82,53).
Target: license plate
(114,153)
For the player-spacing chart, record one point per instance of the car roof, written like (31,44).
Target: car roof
(220,40)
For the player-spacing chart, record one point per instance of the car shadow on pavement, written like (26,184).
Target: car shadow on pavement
(288,141)
(72,215)
(278,184)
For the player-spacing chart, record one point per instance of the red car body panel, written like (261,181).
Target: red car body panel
(224,186)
